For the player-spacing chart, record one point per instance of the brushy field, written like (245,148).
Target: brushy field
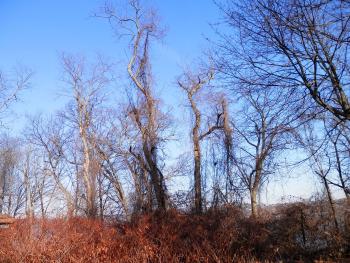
(224,236)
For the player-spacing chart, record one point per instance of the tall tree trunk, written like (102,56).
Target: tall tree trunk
(192,86)
(149,139)
(89,178)
(155,178)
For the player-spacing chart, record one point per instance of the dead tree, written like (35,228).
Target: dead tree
(86,84)
(192,85)
(142,26)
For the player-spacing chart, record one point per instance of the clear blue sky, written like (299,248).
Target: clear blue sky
(35,32)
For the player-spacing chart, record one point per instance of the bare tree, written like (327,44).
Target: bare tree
(51,138)
(11,85)
(262,131)
(109,144)
(192,85)
(86,84)
(9,159)
(141,26)
(300,45)
(339,151)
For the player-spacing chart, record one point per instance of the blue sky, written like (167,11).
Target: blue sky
(35,32)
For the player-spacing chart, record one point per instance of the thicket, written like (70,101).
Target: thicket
(296,232)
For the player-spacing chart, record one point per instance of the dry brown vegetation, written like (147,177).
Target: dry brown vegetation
(291,233)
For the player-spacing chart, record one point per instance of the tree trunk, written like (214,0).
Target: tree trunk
(100,198)
(29,203)
(89,178)
(197,173)
(255,188)
(156,178)
(91,209)
(42,207)
(253,202)
(228,146)
(331,202)
(118,188)
(1,196)
(340,172)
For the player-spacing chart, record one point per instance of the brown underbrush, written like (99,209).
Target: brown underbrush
(222,235)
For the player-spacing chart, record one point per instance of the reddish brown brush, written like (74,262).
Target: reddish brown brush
(217,236)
